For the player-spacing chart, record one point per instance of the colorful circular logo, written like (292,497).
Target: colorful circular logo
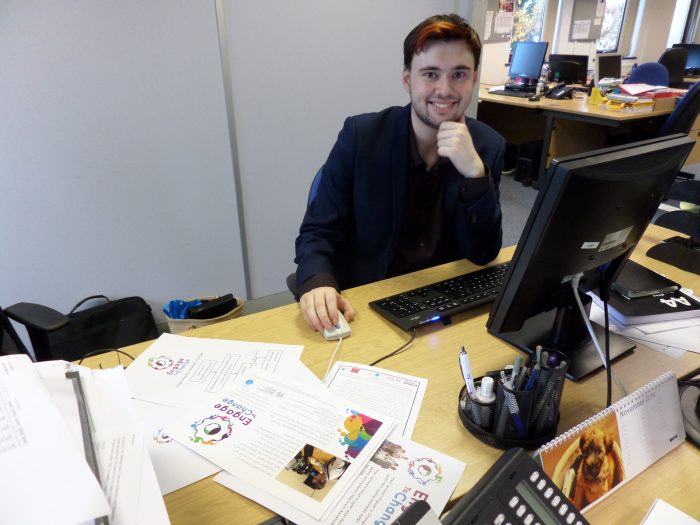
(160,363)
(425,470)
(211,430)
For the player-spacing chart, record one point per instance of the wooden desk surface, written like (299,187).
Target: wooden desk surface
(578,107)
(433,354)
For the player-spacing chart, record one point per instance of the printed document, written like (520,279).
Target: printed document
(292,439)
(176,370)
(390,393)
(400,473)
(44,477)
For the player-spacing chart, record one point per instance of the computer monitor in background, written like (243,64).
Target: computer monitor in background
(607,66)
(572,69)
(587,218)
(526,64)
(692,64)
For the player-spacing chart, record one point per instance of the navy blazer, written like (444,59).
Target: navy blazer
(352,225)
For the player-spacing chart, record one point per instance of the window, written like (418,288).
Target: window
(528,19)
(612,25)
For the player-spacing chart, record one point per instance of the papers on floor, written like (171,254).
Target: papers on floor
(390,393)
(295,440)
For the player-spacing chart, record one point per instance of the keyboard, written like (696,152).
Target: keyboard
(512,93)
(442,299)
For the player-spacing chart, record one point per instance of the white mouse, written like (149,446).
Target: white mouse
(342,329)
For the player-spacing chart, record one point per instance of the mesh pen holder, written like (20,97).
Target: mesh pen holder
(479,413)
(550,386)
(467,407)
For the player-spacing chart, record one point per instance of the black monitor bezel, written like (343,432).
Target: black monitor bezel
(582,69)
(530,75)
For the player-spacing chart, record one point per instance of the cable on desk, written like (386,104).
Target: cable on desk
(332,359)
(104,351)
(399,349)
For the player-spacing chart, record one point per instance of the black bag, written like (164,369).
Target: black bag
(107,326)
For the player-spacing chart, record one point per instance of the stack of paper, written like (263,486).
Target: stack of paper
(74,444)
(314,453)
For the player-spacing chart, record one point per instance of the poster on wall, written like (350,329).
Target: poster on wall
(587,20)
(499,20)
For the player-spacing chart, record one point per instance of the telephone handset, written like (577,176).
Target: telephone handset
(560,91)
(516,490)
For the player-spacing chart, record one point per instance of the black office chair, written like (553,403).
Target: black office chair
(313,189)
(674,60)
(10,343)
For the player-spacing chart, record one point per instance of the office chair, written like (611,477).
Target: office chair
(674,59)
(10,343)
(313,190)
(651,73)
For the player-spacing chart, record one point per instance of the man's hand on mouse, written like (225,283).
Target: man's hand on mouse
(455,143)
(320,307)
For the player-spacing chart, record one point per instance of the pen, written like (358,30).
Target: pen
(532,380)
(467,372)
(516,370)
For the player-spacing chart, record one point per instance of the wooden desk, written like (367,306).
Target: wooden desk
(434,355)
(578,124)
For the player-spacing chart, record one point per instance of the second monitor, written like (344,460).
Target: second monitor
(570,69)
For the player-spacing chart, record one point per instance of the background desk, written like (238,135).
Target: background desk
(564,126)
(433,354)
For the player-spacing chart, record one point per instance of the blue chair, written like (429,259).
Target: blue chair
(292,277)
(651,73)
(683,116)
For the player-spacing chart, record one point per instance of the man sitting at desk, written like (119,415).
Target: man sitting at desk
(408,187)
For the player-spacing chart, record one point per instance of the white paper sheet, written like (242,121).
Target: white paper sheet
(175,465)
(126,471)
(176,370)
(400,472)
(394,395)
(268,430)
(662,513)
(44,477)
(582,28)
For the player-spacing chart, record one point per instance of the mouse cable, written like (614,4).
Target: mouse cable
(399,349)
(332,359)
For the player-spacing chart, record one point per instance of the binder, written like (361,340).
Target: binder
(597,456)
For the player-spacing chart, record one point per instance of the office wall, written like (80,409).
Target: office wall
(298,69)
(115,166)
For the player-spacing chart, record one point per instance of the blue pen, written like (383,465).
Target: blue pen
(532,380)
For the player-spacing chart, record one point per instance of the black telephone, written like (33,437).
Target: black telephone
(515,489)
(560,91)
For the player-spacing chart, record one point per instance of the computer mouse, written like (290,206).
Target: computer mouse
(342,329)
(534,98)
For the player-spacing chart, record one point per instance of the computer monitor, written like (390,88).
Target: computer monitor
(692,64)
(607,66)
(526,64)
(588,216)
(572,69)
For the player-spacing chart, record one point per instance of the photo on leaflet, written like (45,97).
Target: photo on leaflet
(313,472)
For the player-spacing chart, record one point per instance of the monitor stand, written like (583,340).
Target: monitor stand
(545,328)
